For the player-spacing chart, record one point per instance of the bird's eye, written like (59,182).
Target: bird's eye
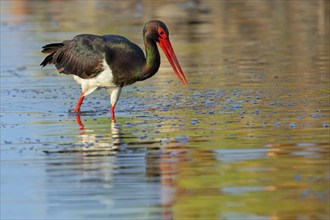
(161,33)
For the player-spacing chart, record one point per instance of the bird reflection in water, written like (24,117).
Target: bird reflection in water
(108,161)
(100,143)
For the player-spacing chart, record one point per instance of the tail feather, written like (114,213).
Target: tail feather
(47,60)
(49,48)
(52,49)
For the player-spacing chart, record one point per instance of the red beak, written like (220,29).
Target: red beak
(166,46)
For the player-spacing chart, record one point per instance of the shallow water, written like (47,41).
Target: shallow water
(247,139)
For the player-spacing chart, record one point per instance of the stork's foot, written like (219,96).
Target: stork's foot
(74,112)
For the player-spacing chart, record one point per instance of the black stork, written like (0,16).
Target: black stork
(112,61)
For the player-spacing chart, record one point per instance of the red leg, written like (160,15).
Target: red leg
(114,98)
(112,113)
(81,99)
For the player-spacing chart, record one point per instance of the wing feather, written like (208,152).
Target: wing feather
(82,56)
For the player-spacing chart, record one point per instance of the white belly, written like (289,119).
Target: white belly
(104,79)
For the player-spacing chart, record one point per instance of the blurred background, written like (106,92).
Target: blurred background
(229,34)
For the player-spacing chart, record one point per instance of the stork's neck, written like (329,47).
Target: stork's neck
(152,59)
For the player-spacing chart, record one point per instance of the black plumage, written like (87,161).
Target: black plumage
(83,56)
